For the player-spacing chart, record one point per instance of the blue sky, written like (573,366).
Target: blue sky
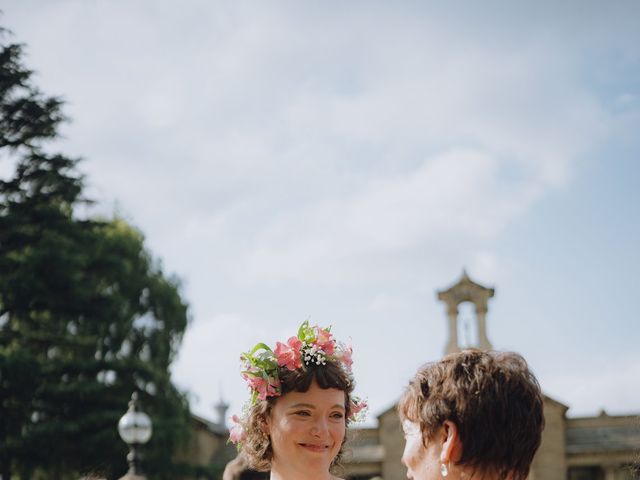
(343,161)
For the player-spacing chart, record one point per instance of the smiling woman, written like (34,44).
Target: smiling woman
(301,403)
(307,430)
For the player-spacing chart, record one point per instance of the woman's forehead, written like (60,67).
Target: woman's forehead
(410,427)
(315,397)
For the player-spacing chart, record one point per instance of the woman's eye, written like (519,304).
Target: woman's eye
(303,413)
(337,415)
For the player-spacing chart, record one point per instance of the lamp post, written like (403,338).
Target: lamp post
(135,429)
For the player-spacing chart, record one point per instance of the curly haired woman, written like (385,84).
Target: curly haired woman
(301,404)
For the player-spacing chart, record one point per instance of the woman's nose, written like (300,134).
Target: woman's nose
(319,427)
(403,460)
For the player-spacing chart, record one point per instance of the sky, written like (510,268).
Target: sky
(343,161)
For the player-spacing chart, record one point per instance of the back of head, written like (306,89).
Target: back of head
(493,399)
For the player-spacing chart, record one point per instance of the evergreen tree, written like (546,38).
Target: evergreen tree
(86,314)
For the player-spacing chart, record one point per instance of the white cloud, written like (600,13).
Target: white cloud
(610,386)
(455,194)
(293,161)
(209,358)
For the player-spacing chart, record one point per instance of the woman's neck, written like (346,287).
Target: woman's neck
(283,473)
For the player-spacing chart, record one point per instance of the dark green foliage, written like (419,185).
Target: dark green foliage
(26,116)
(86,315)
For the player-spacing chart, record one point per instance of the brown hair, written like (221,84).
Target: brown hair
(257,445)
(493,399)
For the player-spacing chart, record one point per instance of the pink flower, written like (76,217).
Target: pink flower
(265,387)
(236,432)
(290,354)
(356,407)
(324,340)
(252,377)
(345,356)
(272,389)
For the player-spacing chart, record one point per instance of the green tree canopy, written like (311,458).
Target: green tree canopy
(87,316)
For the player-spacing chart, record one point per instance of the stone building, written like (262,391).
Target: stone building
(594,448)
(208,448)
(603,447)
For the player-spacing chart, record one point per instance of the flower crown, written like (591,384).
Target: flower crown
(312,346)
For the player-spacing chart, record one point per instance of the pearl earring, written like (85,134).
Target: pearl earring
(444,471)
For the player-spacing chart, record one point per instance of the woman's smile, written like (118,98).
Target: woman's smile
(307,429)
(314,447)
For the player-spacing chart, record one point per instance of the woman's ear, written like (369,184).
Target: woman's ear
(451,444)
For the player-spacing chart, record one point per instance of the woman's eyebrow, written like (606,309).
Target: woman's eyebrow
(309,405)
(302,405)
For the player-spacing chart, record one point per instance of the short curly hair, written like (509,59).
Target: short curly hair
(257,445)
(493,399)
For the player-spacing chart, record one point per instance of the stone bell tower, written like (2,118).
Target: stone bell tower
(466,290)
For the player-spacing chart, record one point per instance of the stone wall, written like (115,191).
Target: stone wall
(550,460)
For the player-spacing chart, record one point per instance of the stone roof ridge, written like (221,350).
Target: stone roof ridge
(390,408)
(604,416)
(547,398)
(598,438)
(210,425)
(464,289)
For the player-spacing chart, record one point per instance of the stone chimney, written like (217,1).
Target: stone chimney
(466,290)
(221,408)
